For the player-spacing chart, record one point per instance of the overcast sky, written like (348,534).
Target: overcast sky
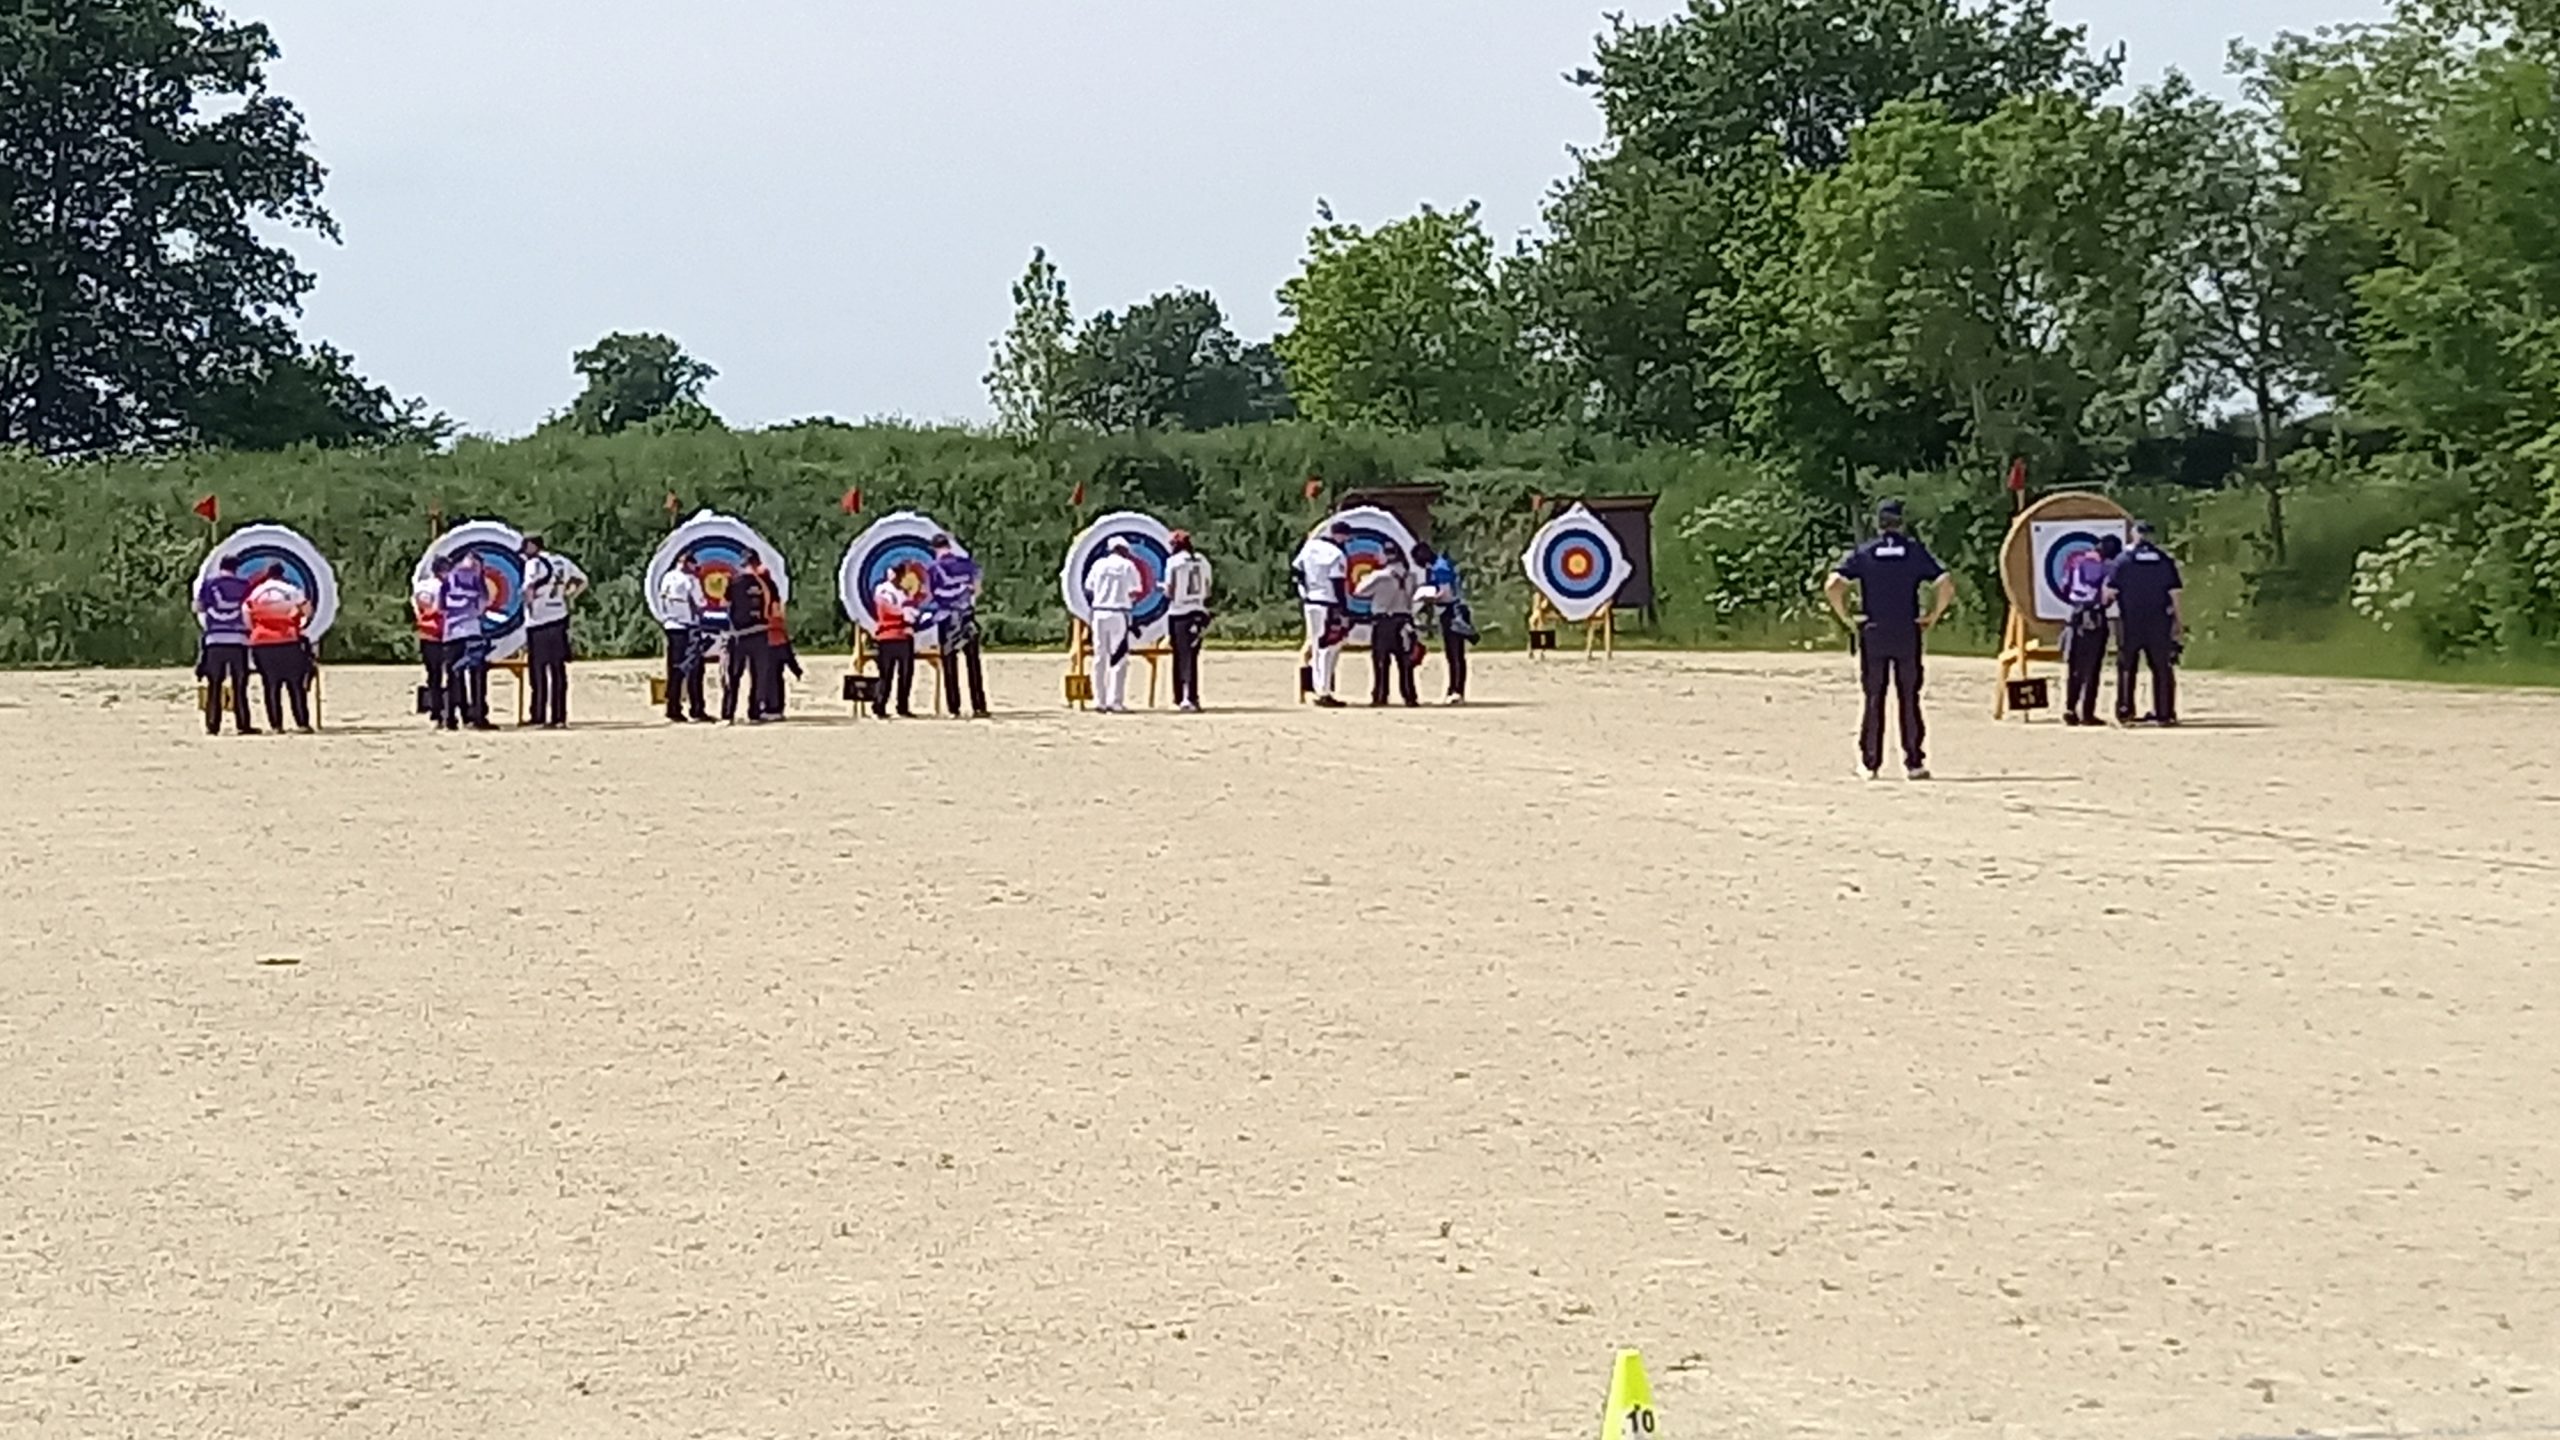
(827,199)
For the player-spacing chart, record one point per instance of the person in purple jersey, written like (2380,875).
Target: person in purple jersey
(2084,635)
(466,599)
(955,581)
(222,608)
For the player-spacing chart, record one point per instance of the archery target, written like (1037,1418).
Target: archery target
(1150,544)
(258,547)
(2055,543)
(718,544)
(897,547)
(499,547)
(1575,561)
(1372,530)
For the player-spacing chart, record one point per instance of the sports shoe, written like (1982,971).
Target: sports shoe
(1916,772)
(1327,702)
(1866,774)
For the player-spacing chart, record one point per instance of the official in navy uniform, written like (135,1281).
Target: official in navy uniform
(2145,588)
(1889,571)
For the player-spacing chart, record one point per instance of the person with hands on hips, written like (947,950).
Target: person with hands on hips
(1889,571)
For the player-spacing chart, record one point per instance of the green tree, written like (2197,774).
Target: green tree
(2261,302)
(1406,325)
(636,380)
(2000,267)
(1619,294)
(315,397)
(141,158)
(1669,289)
(1032,381)
(1172,363)
(2443,153)
(1706,88)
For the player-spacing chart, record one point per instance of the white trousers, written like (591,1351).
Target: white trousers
(1111,659)
(1321,657)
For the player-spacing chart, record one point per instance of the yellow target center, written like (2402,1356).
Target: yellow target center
(1578,564)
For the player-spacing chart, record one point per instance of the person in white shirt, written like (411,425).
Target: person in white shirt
(426,608)
(681,602)
(1186,582)
(1111,587)
(1321,571)
(550,583)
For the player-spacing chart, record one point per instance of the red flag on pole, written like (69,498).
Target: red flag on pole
(1076,500)
(208,509)
(1315,487)
(853,501)
(671,505)
(2018,475)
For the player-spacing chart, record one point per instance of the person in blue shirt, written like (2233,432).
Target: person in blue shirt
(1889,571)
(1443,589)
(2145,587)
(952,600)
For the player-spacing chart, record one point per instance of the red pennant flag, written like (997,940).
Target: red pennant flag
(1076,500)
(2018,476)
(1315,487)
(208,509)
(853,501)
(671,505)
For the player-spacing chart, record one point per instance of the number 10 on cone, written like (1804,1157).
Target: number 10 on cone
(1629,1415)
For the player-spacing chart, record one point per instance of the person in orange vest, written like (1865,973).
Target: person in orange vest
(279,614)
(894,611)
(426,609)
(777,636)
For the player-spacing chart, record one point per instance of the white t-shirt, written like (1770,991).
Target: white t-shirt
(1187,581)
(1114,584)
(680,600)
(1320,564)
(426,598)
(547,578)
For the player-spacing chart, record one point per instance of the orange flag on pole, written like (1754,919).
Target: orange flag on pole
(209,509)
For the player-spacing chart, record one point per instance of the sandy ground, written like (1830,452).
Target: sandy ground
(1279,1073)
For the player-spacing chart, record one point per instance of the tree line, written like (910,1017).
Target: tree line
(1827,249)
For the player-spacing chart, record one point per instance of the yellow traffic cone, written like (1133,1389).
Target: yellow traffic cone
(1630,1412)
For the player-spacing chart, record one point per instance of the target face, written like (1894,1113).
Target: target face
(259,548)
(499,547)
(1372,530)
(897,548)
(1150,544)
(1575,562)
(2057,543)
(718,545)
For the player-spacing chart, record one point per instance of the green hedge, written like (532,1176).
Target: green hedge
(98,557)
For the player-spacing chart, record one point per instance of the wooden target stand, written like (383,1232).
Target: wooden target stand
(860,690)
(1599,633)
(1078,680)
(2026,640)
